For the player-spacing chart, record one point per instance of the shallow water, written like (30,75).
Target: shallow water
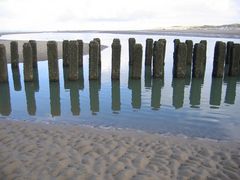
(192,107)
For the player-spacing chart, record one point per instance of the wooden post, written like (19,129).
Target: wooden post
(73,60)
(137,61)
(234,63)
(3,64)
(33,44)
(65,49)
(158,63)
(131,43)
(198,60)
(219,56)
(148,52)
(180,58)
(93,60)
(14,54)
(80,53)
(116,58)
(28,62)
(52,61)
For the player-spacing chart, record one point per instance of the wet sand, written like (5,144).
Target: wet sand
(41,151)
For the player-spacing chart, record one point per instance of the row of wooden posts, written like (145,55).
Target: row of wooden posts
(185,54)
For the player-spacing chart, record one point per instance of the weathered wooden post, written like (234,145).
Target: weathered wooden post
(148,52)
(234,63)
(176,42)
(158,61)
(16,79)
(189,51)
(180,58)
(198,60)
(116,58)
(73,60)
(219,56)
(137,61)
(65,50)
(131,43)
(14,54)
(3,64)
(204,42)
(93,60)
(229,51)
(52,61)
(33,44)
(99,50)
(27,62)
(80,53)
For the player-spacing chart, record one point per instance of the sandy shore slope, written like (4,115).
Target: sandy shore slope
(41,151)
(41,50)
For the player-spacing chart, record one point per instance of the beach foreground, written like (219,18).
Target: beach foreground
(42,151)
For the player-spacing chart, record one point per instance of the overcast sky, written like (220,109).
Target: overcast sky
(37,15)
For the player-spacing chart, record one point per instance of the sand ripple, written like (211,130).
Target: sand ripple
(39,151)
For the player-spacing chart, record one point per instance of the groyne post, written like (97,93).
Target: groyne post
(137,61)
(218,62)
(93,60)
(148,52)
(33,44)
(52,52)
(27,62)
(14,54)
(3,64)
(189,51)
(73,60)
(158,60)
(234,63)
(180,58)
(131,43)
(229,51)
(80,53)
(116,58)
(99,50)
(65,52)
(198,60)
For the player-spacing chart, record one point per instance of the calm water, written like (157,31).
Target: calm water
(192,107)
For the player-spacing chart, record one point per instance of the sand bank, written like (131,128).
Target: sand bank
(41,151)
(41,50)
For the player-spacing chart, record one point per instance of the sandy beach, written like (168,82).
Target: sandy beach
(42,151)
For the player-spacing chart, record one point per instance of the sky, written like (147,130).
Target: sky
(38,15)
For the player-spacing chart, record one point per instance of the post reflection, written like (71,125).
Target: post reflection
(157,85)
(148,77)
(178,92)
(129,77)
(5,101)
(94,96)
(231,90)
(116,99)
(195,92)
(30,97)
(55,98)
(216,92)
(74,87)
(16,79)
(136,93)
(36,79)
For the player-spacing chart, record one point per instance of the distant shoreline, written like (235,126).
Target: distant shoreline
(214,33)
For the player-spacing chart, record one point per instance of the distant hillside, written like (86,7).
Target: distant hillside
(211,27)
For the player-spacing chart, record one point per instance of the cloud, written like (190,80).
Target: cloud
(110,14)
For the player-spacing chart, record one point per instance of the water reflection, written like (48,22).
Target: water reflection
(195,92)
(36,79)
(178,92)
(136,93)
(148,78)
(157,85)
(94,95)
(16,79)
(30,97)
(231,90)
(55,98)
(216,92)
(116,99)
(74,98)
(5,101)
